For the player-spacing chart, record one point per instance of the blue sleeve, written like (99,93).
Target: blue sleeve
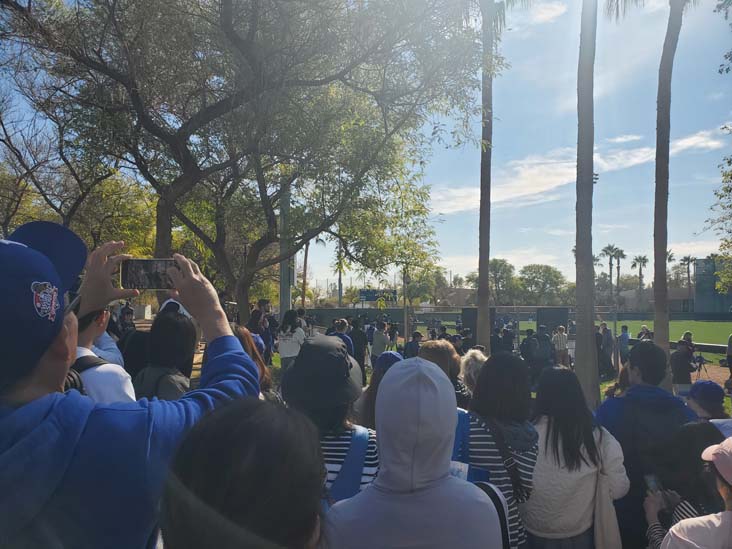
(229,373)
(609,414)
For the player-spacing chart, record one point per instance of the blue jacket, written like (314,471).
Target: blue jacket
(348,341)
(73,474)
(646,417)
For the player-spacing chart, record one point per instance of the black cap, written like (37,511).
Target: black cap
(324,375)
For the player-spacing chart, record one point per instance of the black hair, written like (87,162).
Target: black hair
(289,322)
(503,389)
(301,312)
(650,359)
(85,321)
(254,324)
(416,335)
(172,342)
(570,425)
(624,328)
(356,324)
(332,420)
(247,447)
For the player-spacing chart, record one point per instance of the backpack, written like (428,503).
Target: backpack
(82,364)
(461,449)
(348,482)
(499,502)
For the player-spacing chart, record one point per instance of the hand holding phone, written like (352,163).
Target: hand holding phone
(147,274)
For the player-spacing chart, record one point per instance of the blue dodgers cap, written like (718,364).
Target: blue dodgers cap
(39,263)
(386,360)
(706,393)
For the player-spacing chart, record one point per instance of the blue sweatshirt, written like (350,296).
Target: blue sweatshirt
(73,474)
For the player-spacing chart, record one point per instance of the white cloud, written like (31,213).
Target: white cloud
(624,138)
(705,140)
(516,257)
(450,200)
(546,12)
(715,96)
(610,227)
(698,248)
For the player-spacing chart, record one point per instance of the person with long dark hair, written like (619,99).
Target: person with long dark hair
(291,339)
(233,477)
(502,440)
(250,347)
(365,406)
(258,324)
(572,448)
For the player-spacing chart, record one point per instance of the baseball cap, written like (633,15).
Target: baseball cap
(39,262)
(386,360)
(705,392)
(721,456)
(323,375)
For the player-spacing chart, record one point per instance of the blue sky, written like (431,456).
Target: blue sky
(535,138)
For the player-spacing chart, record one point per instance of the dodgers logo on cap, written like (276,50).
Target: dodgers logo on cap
(45,299)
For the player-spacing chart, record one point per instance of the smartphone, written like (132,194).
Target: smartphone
(652,483)
(146,274)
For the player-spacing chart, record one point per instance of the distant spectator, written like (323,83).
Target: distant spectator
(324,383)
(251,348)
(470,365)
(172,346)
(682,365)
(414,501)
(302,320)
(457,342)
(442,333)
(643,421)
(365,406)
(496,341)
(250,447)
(507,340)
(644,333)
(342,326)
(291,339)
(412,348)
(608,348)
(706,399)
(360,347)
(443,354)
(259,325)
(393,333)
(561,346)
(381,341)
(624,344)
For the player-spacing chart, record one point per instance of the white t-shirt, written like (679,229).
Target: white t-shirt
(707,532)
(107,383)
(105,348)
(289,343)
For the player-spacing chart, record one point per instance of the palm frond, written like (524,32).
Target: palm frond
(618,9)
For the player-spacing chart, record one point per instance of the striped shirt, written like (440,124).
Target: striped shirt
(335,448)
(560,341)
(484,453)
(682,511)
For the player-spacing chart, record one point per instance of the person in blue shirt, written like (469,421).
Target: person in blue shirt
(341,327)
(643,421)
(76,474)
(624,344)
(412,348)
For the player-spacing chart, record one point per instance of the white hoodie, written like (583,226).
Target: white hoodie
(414,502)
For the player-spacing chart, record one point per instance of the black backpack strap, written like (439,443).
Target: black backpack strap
(83,363)
(508,461)
(499,502)
(73,381)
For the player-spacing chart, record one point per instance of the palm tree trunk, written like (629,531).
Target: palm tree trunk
(663,137)
(688,282)
(305,274)
(617,279)
(585,351)
(610,264)
(483,329)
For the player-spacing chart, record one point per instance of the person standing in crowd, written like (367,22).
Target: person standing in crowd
(254,350)
(470,365)
(94,474)
(302,320)
(370,331)
(102,381)
(598,350)
(171,349)
(573,452)
(265,307)
(291,339)
(393,333)
(643,421)
(561,346)
(496,341)
(682,365)
(364,409)
(502,441)
(341,326)
(360,347)
(259,325)
(608,347)
(251,447)
(443,353)
(457,342)
(684,489)
(529,350)
(332,328)
(624,344)
(324,383)
(411,349)
(546,356)
(507,340)
(706,399)
(414,501)
(381,341)
(689,338)
(442,334)
(644,333)
(715,530)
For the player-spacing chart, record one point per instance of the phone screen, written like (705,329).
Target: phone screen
(146,274)
(652,483)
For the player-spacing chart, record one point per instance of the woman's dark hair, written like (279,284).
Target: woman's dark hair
(570,426)
(255,322)
(681,468)
(289,322)
(247,342)
(329,421)
(650,359)
(368,411)
(233,477)
(503,390)
(172,342)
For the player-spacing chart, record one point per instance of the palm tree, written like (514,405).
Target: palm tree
(619,254)
(585,348)
(320,241)
(670,257)
(687,261)
(609,251)
(640,262)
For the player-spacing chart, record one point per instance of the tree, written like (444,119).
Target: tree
(586,353)
(542,284)
(15,201)
(687,261)
(721,223)
(610,251)
(306,251)
(619,254)
(640,262)
(458,281)
(503,286)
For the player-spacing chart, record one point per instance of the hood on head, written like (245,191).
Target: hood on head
(416,414)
